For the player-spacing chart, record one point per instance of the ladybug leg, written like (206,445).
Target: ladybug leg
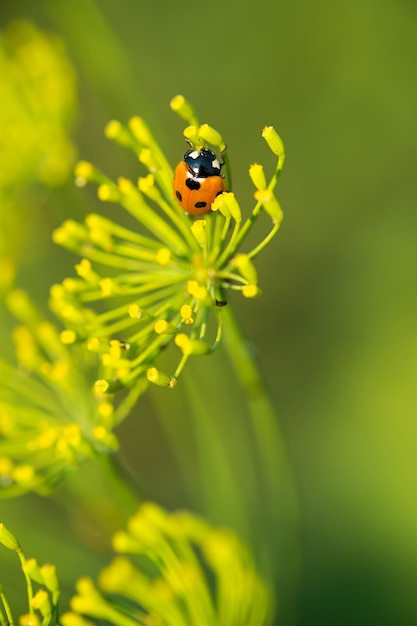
(221,303)
(226,164)
(223,149)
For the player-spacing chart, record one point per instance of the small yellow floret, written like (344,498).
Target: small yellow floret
(8,539)
(41,602)
(157,377)
(29,619)
(100,433)
(198,228)
(162,327)
(270,204)
(274,141)
(191,134)
(140,131)
(211,135)
(105,409)
(23,473)
(68,336)
(6,466)
(112,129)
(250,291)
(101,386)
(147,157)
(107,286)
(196,290)
(115,349)
(187,313)
(257,175)
(184,109)
(246,267)
(93,344)
(83,169)
(163,256)
(134,311)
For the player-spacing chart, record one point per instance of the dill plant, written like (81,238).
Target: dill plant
(169,278)
(137,291)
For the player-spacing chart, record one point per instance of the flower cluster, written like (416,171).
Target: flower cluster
(50,420)
(37,101)
(42,603)
(167,279)
(37,104)
(180,571)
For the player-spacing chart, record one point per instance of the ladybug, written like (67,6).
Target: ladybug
(198,181)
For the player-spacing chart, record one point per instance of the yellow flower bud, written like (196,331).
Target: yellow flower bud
(199,231)
(246,267)
(101,386)
(8,539)
(140,131)
(84,171)
(191,346)
(50,578)
(274,141)
(184,109)
(187,313)
(251,291)
(162,327)
(157,377)
(191,134)
(112,129)
(257,175)
(270,204)
(210,135)
(108,193)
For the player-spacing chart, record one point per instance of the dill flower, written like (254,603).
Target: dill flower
(174,570)
(138,290)
(37,101)
(42,588)
(50,421)
(37,104)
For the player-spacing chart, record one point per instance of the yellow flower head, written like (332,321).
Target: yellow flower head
(171,274)
(37,105)
(175,569)
(37,101)
(49,419)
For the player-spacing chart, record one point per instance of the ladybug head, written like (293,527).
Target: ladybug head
(202,163)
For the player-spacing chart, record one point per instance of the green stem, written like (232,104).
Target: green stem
(253,253)
(220,487)
(280,504)
(10,621)
(104,494)
(227,169)
(29,585)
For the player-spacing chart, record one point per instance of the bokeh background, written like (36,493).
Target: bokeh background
(335,329)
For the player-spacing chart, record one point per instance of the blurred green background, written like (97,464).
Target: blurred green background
(335,328)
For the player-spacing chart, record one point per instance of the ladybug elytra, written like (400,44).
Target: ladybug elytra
(198,181)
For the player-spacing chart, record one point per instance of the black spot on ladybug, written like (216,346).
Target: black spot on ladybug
(179,196)
(192,183)
(200,205)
